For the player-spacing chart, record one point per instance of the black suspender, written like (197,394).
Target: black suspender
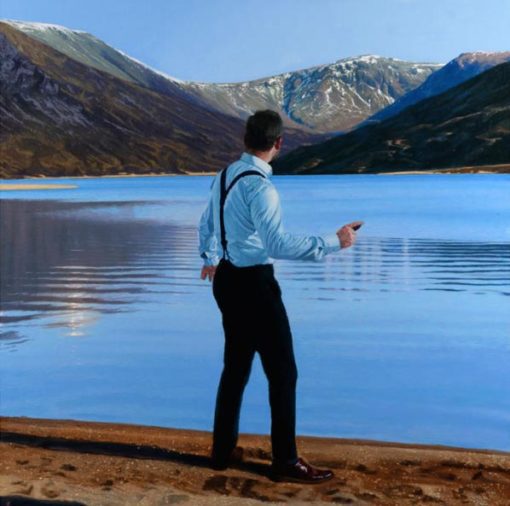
(223,197)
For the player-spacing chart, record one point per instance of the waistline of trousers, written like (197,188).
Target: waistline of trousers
(258,268)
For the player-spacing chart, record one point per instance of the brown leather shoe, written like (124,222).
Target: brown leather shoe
(300,472)
(222,464)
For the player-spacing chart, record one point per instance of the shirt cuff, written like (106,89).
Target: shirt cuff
(210,259)
(331,242)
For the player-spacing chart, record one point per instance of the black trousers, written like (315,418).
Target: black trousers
(254,320)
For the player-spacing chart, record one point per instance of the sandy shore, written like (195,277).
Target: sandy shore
(104,464)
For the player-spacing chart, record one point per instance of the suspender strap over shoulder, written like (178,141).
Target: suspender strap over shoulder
(223,197)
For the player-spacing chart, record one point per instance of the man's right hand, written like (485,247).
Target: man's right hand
(208,271)
(347,234)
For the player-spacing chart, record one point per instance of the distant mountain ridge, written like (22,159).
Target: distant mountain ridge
(458,70)
(72,105)
(467,125)
(321,99)
(325,98)
(61,117)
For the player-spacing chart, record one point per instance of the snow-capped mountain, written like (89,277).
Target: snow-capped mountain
(465,126)
(325,98)
(458,70)
(93,52)
(61,117)
(88,49)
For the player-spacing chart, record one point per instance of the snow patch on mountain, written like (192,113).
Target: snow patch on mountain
(32,25)
(322,98)
(79,43)
(152,69)
(456,71)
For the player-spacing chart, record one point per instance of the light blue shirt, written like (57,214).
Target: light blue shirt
(253,222)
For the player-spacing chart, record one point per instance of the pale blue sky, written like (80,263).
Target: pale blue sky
(236,40)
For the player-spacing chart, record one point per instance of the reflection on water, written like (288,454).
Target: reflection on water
(74,267)
(404,338)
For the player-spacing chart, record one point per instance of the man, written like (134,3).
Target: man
(243,216)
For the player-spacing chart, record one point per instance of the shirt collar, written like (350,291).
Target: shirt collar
(258,162)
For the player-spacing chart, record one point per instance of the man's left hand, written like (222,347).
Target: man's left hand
(208,271)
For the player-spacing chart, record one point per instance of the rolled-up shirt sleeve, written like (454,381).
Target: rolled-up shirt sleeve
(266,213)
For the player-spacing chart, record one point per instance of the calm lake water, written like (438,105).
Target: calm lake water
(404,337)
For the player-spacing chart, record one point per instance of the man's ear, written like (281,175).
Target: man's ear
(278,142)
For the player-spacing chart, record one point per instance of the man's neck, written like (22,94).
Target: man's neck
(263,155)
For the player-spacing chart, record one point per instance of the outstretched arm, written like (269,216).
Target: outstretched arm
(266,214)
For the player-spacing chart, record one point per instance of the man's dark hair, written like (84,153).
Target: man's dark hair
(262,130)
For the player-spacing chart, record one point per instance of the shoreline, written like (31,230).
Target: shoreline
(468,169)
(121,175)
(124,464)
(471,169)
(17,186)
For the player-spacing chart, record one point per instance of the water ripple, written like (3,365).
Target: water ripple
(99,266)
